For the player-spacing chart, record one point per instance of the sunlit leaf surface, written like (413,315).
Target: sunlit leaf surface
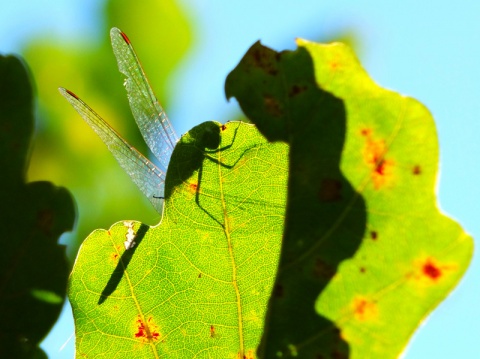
(197,284)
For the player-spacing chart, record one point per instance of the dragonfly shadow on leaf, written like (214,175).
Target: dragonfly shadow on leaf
(189,154)
(203,147)
(122,265)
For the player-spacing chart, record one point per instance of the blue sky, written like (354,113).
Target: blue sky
(429,53)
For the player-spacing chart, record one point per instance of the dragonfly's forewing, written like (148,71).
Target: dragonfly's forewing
(151,119)
(148,177)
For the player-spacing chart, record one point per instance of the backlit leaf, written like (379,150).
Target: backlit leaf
(366,252)
(197,284)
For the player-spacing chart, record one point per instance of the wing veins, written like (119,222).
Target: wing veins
(146,175)
(149,114)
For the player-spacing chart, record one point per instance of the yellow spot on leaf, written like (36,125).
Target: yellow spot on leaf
(364,309)
(374,154)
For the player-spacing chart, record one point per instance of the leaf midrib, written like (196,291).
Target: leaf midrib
(227,231)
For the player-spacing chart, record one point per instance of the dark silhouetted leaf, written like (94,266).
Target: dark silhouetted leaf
(33,267)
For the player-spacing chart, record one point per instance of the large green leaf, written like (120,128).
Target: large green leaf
(197,285)
(33,267)
(366,252)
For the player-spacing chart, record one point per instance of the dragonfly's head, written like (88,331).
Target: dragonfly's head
(206,135)
(189,153)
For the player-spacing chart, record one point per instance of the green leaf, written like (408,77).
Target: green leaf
(366,252)
(196,285)
(33,267)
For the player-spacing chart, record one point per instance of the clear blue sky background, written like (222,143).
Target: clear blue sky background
(429,50)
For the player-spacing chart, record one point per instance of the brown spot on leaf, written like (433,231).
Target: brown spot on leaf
(362,270)
(249,354)
(374,235)
(199,275)
(417,170)
(223,128)
(140,329)
(431,270)
(330,190)
(263,59)
(366,132)
(374,154)
(212,331)
(380,168)
(147,331)
(192,188)
(364,309)
(272,106)
(296,89)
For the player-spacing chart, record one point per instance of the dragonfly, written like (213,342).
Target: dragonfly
(150,117)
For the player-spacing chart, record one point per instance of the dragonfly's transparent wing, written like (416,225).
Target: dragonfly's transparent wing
(148,177)
(151,119)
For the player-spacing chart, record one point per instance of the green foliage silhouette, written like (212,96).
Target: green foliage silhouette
(33,267)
